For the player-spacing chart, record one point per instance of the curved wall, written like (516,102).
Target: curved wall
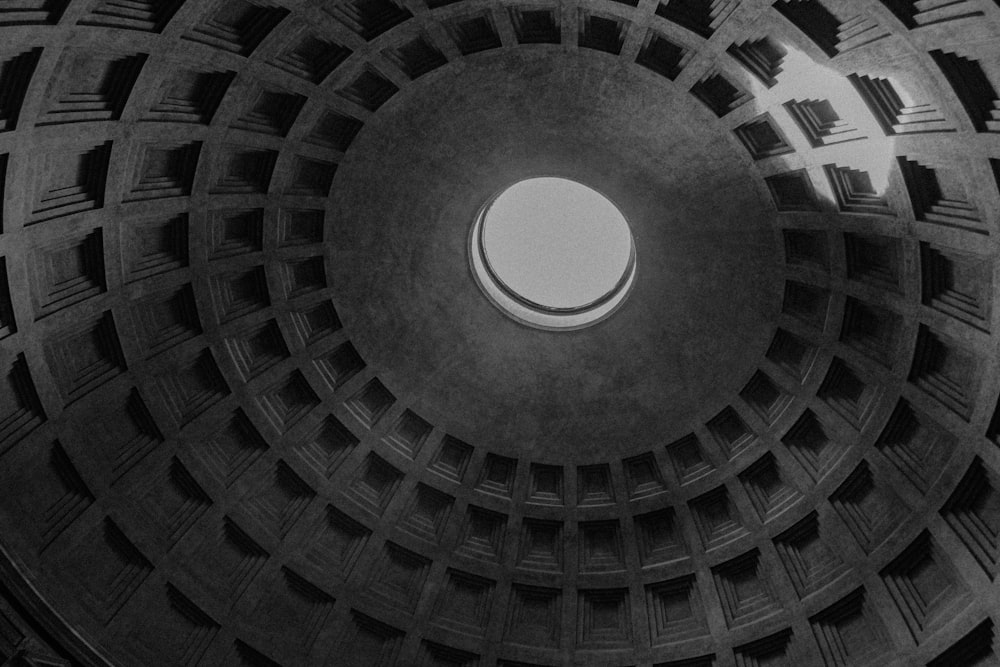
(256,411)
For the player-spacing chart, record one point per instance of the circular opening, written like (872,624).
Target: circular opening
(553,253)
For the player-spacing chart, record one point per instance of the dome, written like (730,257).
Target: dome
(260,408)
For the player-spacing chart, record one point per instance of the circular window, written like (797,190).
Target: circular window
(553,253)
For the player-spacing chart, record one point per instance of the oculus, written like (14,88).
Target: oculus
(553,253)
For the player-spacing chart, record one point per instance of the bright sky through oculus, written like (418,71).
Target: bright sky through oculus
(556,242)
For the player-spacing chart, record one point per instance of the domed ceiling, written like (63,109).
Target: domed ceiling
(256,409)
